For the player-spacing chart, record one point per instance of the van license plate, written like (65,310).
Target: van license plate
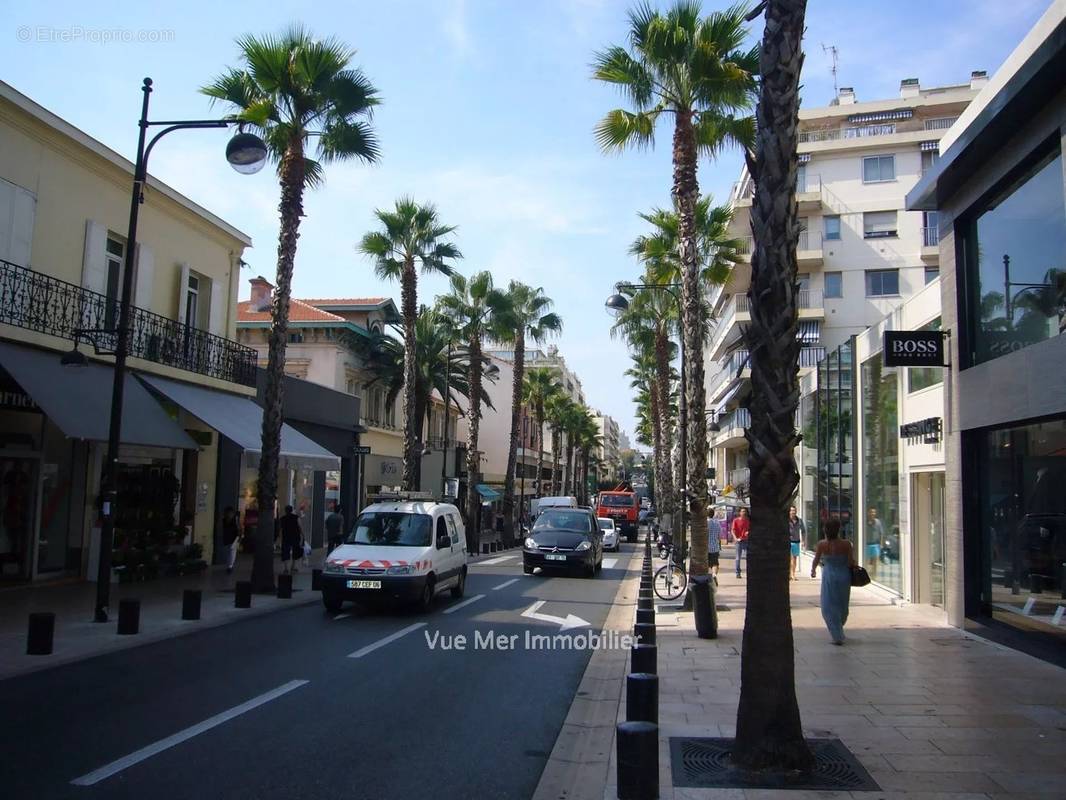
(364,584)
(555,557)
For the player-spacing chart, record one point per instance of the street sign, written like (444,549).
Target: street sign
(361,449)
(914,349)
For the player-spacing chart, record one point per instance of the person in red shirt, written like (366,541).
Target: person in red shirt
(741,528)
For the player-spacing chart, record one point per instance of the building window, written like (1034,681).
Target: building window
(834,284)
(930,229)
(919,378)
(832,226)
(114,254)
(192,302)
(876,169)
(882,282)
(931,274)
(296,338)
(879,224)
(1014,248)
(929,158)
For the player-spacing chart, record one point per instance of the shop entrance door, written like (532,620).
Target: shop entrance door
(19,481)
(927,522)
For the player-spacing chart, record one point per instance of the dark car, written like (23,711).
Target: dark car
(564,539)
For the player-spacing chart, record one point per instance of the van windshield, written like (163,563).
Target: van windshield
(391,529)
(617,500)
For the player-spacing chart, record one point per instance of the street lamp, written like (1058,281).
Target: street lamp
(247,154)
(713,427)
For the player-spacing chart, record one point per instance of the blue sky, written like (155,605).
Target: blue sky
(488,112)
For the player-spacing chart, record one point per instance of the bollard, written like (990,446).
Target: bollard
(644,632)
(638,760)
(316,580)
(645,602)
(1036,584)
(40,634)
(190,603)
(646,615)
(242,596)
(644,594)
(285,587)
(644,658)
(642,697)
(129,617)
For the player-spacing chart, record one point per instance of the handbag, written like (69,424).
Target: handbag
(859,576)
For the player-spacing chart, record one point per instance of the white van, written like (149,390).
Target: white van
(401,550)
(537,505)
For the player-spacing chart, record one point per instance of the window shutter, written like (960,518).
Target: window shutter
(94,260)
(215,319)
(183,292)
(17,210)
(143,276)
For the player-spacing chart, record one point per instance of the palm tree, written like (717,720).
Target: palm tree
(411,236)
(691,67)
(557,407)
(291,89)
(588,439)
(538,388)
(769,731)
(532,321)
(476,309)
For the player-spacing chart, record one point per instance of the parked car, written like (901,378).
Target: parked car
(564,539)
(610,533)
(402,551)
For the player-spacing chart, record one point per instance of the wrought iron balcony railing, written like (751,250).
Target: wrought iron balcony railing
(41,303)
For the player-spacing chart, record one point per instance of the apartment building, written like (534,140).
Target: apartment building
(860,253)
(609,450)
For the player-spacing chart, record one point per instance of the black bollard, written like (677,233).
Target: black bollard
(646,615)
(285,587)
(129,616)
(190,603)
(40,634)
(484,548)
(644,632)
(644,594)
(644,658)
(242,596)
(638,760)
(645,602)
(316,580)
(642,697)
(1036,584)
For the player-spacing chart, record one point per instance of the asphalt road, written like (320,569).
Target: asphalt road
(300,704)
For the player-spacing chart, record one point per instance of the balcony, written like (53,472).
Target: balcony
(732,427)
(38,302)
(809,249)
(930,244)
(740,477)
(939,123)
(735,313)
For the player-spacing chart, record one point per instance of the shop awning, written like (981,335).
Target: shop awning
(78,399)
(241,420)
(488,493)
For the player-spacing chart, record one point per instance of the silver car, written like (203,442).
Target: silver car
(610,533)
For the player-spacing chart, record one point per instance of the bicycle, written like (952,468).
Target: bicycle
(670,580)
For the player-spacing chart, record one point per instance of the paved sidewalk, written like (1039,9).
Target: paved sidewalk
(78,637)
(932,713)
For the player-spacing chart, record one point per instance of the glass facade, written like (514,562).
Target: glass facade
(919,378)
(1016,263)
(835,442)
(880,469)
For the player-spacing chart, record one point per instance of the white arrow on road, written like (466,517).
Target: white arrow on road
(564,624)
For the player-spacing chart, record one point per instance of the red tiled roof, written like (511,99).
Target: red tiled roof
(299,311)
(346,301)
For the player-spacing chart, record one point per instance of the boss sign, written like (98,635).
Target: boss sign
(914,349)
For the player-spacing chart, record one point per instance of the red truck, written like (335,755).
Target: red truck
(622,505)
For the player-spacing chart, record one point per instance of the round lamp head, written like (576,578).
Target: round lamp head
(246,153)
(74,359)
(714,427)
(616,304)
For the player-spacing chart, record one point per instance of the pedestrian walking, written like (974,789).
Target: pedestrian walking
(231,534)
(714,544)
(251,522)
(836,557)
(291,540)
(796,532)
(875,537)
(334,527)
(741,528)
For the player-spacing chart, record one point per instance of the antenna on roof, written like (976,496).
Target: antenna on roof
(833,52)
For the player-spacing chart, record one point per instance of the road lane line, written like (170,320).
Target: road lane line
(165,744)
(463,604)
(497,560)
(342,616)
(608,563)
(392,637)
(504,585)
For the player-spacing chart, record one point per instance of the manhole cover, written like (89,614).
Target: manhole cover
(705,764)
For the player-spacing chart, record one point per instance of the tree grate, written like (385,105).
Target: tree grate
(703,763)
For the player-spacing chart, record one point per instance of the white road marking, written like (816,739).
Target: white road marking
(1057,617)
(165,744)
(564,624)
(498,560)
(608,563)
(1027,609)
(504,585)
(342,616)
(463,604)
(392,637)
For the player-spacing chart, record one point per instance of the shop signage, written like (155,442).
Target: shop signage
(914,349)
(929,430)
(17,400)
(361,449)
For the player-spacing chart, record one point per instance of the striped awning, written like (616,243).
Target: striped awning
(879,116)
(803,158)
(930,146)
(809,331)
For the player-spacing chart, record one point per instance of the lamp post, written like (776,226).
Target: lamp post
(618,303)
(246,153)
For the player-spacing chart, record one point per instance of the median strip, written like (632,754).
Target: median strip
(370,648)
(463,604)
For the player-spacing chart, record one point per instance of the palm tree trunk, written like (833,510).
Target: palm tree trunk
(473,457)
(291,210)
(409,309)
(512,447)
(769,731)
(421,405)
(540,449)
(661,394)
(657,451)
(557,476)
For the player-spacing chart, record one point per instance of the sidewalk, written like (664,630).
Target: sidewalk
(78,637)
(930,712)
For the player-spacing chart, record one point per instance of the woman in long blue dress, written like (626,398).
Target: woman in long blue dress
(836,557)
